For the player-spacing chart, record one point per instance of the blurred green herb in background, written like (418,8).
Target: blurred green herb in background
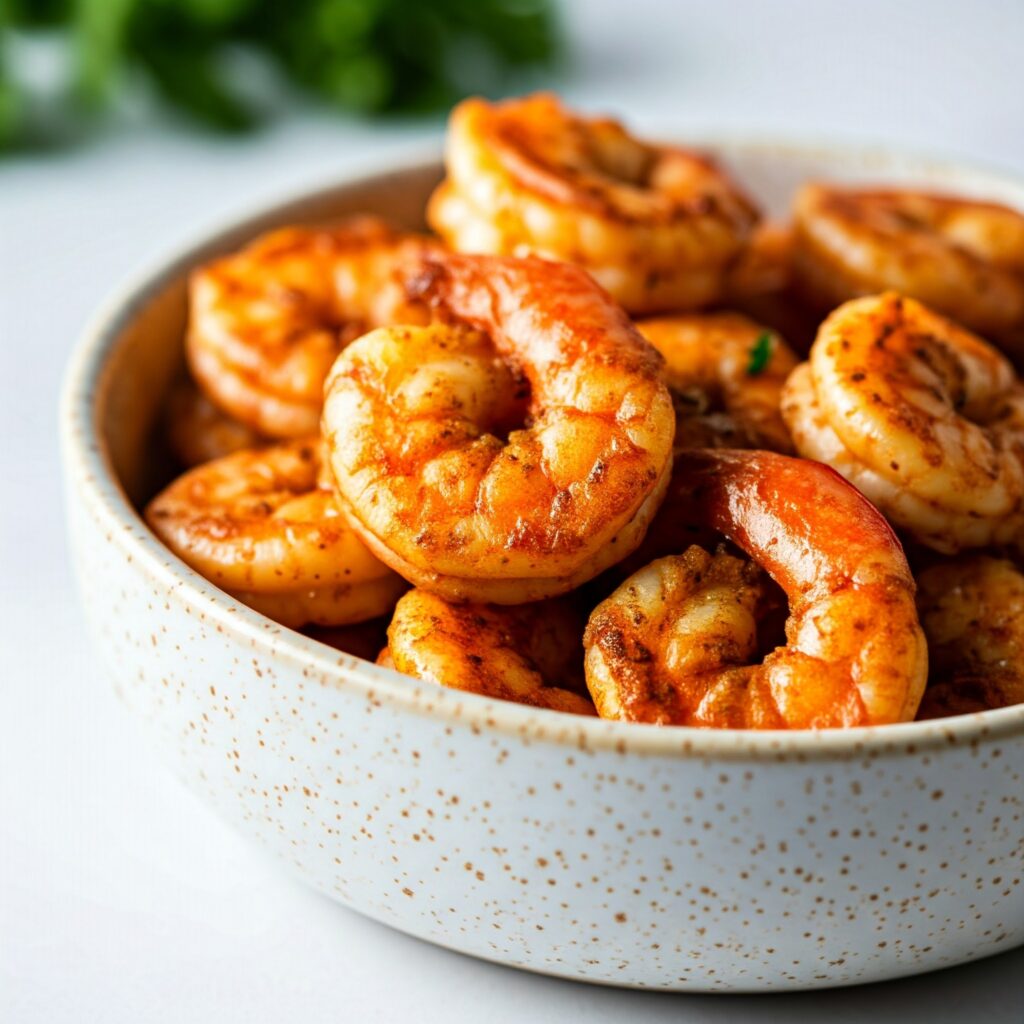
(201,56)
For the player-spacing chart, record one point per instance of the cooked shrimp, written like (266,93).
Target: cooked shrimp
(264,526)
(527,654)
(266,323)
(961,256)
(197,431)
(673,644)
(658,226)
(764,265)
(725,374)
(761,286)
(922,416)
(414,416)
(972,612)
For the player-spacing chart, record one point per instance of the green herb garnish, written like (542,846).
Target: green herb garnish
(231,63)
(760,354)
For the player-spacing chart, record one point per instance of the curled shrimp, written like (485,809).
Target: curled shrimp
(659,227)
(197,431)
(673,645)
(922,416)
(266,323)
(725,374)
(972,612)
(527,653)
(963,257)
(264,526)
(414,419)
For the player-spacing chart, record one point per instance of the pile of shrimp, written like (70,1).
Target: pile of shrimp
(607,442)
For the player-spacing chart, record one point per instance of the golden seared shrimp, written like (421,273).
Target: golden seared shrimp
(659,227)
(726,374)
(961,256)
(414,419)
(922,416)
(266,323)
(197,431)
(674,644)
(263,526)
(529,654)
(972,612)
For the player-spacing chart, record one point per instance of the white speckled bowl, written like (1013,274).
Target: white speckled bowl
(664,858)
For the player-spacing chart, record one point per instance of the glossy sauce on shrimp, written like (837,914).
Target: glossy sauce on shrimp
(921,415)
(658,226)
(415,420)
(677,642)
(264,526)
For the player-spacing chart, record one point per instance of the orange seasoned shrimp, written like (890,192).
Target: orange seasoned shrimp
(658,226)
(263,526)
(414,419)
(197,431)
(764,265)
(528,654)
(266,323)
(674,644)
(922,416)
(972,612)
(963,257)
(760,285)
(725,374)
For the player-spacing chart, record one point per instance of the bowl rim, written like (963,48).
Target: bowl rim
(91,480)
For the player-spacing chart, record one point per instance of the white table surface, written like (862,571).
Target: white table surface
(122,898)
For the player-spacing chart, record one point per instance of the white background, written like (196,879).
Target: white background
(121,897)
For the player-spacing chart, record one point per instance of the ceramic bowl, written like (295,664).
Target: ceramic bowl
(668,858)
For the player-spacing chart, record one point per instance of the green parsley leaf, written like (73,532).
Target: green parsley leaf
(760,354)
